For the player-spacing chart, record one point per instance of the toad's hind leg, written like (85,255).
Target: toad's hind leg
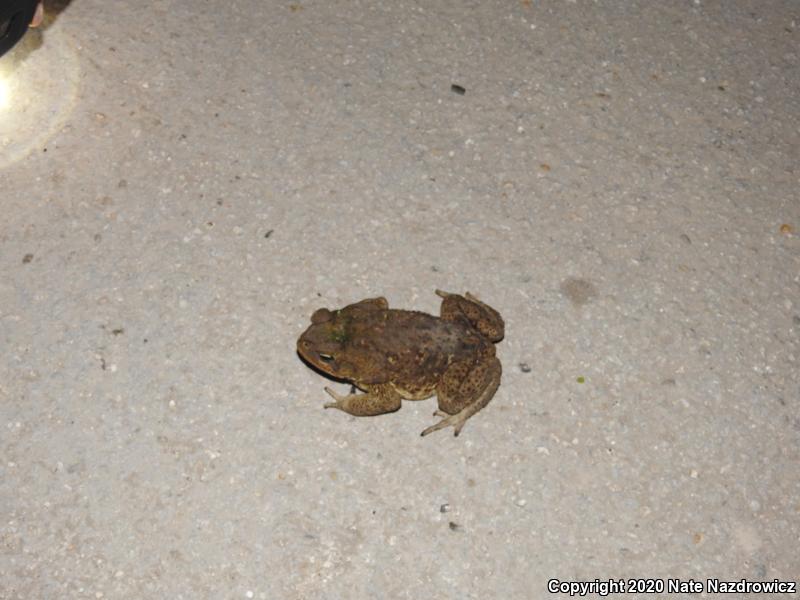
(481,316)
(461,395)
(380,399)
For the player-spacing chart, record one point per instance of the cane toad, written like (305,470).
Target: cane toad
(393,355)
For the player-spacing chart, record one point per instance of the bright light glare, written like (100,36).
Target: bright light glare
(36,96)
(5,93)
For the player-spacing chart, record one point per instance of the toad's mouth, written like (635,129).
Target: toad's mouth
(326,369)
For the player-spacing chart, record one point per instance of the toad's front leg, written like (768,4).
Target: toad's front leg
(378,400)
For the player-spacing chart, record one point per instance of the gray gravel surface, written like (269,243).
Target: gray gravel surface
(184,183)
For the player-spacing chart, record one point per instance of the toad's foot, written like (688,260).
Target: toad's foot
(340,400)
(457,421)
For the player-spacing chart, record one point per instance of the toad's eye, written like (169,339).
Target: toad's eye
(325,357)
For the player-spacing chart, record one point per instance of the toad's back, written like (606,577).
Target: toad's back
(413,346)
(392,330)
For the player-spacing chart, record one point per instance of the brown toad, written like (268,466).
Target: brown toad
(398,354)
